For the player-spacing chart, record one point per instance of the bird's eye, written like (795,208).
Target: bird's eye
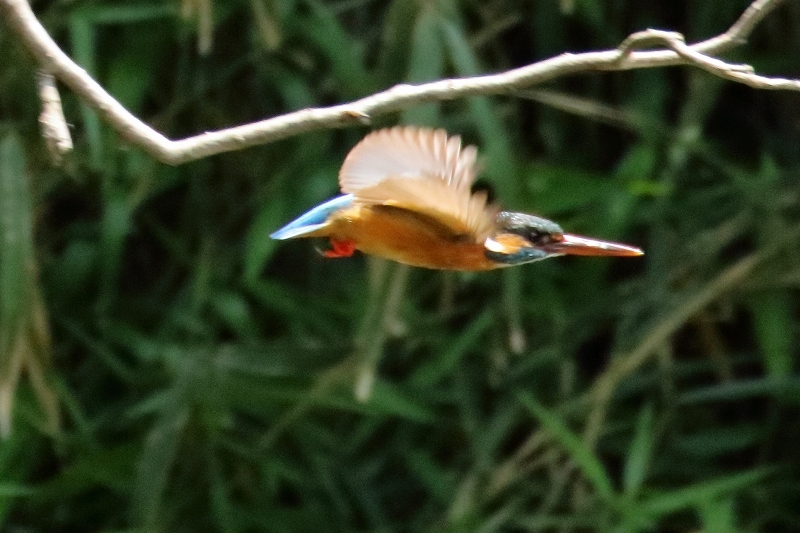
(542,238)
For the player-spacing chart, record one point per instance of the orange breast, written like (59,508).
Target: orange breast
(409,238)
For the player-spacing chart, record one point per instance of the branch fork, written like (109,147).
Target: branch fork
(633,53)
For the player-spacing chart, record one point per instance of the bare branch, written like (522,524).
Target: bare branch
(54,126)
(674,41)
(583,107)
(20,18)
(741,29)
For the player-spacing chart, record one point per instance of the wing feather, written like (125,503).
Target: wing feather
(421,170)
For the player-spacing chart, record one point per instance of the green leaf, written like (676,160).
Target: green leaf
(259,248)
(115,228)
(640,452)
(16,243)
(129,77)
(436,368)
(221,504)
(718,515)
(84,50)
(13,490)
(426,63)
(439,482)
(389,399)
(580,454)
(640,164)
(715,441)
(743,389)
(401,17)
(773,316)
(340,50)
(111,468)
(234,311)
(694,495)
(293,89)
(18,461)
(556,190)
(157,460)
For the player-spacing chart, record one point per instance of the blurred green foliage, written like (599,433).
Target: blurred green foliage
(209,379)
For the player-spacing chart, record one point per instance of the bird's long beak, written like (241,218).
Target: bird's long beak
(577,245)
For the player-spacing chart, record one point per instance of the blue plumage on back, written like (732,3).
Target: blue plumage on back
(314,219)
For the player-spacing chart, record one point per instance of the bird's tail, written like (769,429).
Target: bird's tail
(313,223)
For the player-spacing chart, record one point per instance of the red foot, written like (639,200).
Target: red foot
(340,249)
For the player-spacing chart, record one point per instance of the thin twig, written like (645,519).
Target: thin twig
(20,19)
(583,107)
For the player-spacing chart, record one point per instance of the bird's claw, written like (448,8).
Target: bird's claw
(340,249)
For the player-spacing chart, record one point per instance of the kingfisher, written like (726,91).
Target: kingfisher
(408,196)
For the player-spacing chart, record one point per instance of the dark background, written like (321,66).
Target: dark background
(185,373)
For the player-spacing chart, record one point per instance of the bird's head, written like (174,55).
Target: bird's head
(522,238)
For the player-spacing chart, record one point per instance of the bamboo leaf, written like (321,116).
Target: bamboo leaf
(157,460)
(695,495)
(639,452)
(774,326)
(426,63)
(583,457)
(433,371)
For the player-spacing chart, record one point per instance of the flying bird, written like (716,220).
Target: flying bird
(408,197)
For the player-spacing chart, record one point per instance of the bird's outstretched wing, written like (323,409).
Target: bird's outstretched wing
(421,170)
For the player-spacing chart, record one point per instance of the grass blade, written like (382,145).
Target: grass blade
(583,457)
